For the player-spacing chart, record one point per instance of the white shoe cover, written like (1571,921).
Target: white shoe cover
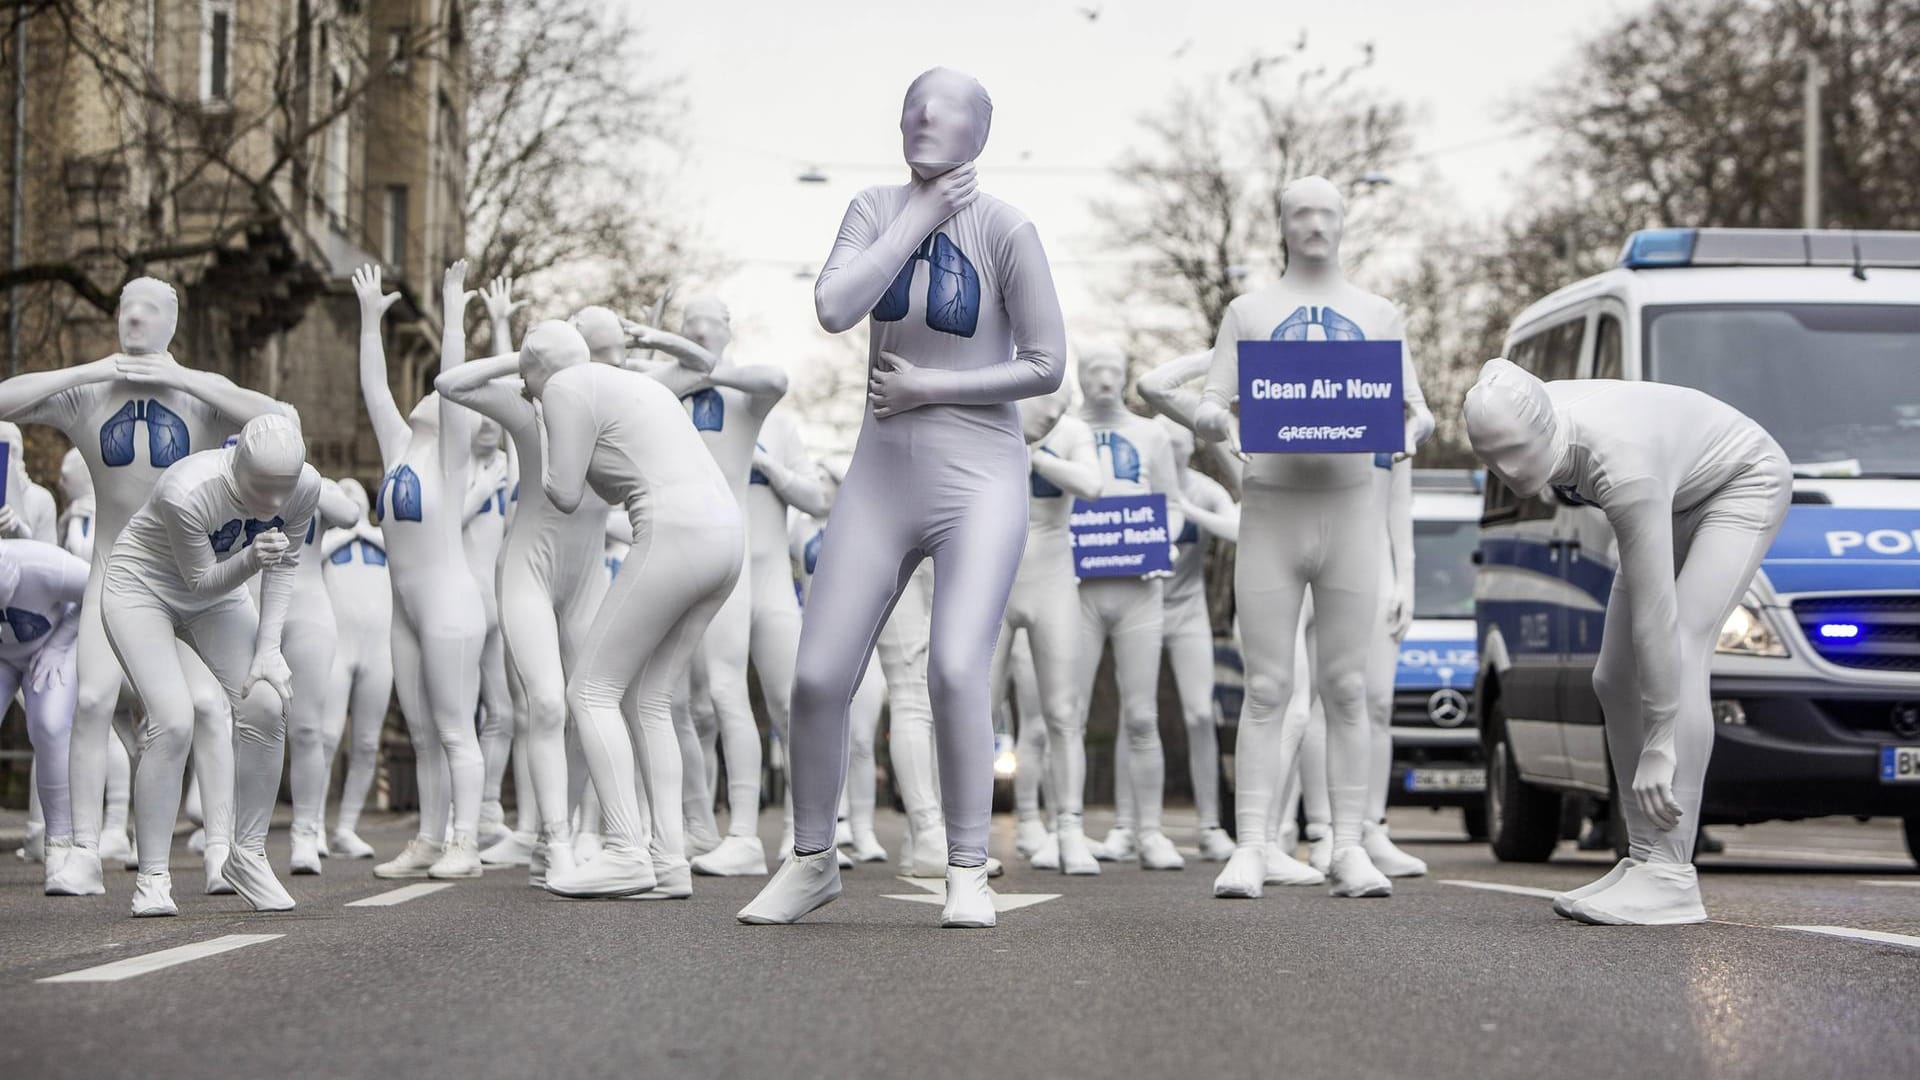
(1284,869)
(1563,904)
(1047,855)
(197,841)
(153,895)
(1353,874)
(842,835)
(1158,853)
(845,860)
(672,880)
(1650,894)
(493,824)
(929,855)
(1028,835)
(1386,856)
(306,852)
(804,884)
(35,848)
(1215,845)
(77,875)
(969,899)
(1117,847)
(214,862)
(348,845)
(1289,838)
(253,879)
(320,834)
(586,846)
(867,849)
(115,847)
(1244,875)
(701,838)
(553,855)
(994,868)
(413,861)
(1076,855)
(616,871)
(460,859)
(513,849)
(1320,847)
(737,856)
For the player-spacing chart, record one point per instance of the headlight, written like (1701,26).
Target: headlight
(1746,633)
(1005,765)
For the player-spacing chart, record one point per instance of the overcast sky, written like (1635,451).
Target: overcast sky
(775,87)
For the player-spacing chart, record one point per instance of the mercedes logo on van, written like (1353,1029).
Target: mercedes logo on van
(1906,720)
(1447,708)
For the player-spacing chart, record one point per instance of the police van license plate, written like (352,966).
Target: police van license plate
(1434,780)
(1900,764)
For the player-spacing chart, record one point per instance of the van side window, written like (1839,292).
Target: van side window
(1606,348)
(1499,502)
(1553,353)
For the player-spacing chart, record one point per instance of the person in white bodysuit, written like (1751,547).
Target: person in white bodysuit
(939,471)
(131,415)
(489,503)
(180,569)
(355,573)
(625,435)
(40,591)
(1694,492)
(1044,607)
(1135,459)
(439,628)
(28,512)
(1308,521)
(308,644)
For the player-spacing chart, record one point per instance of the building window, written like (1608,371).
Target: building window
(335,182)
(216,50)
(397,226)
(399,49)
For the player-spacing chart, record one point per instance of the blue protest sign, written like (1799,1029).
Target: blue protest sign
(1120,536)
(1321,397)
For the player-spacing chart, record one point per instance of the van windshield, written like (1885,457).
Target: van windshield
(1443,568)
(1837,385)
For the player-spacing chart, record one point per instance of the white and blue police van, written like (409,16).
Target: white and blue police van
(1437,761)
(1816,677)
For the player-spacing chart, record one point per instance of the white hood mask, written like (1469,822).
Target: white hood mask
(1512,426)
(943,121)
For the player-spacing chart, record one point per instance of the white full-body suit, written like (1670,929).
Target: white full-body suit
(308,643)
(1044,609)
(41,587)
(1694,492)
(1136,458)
(964,322)
(27,512)
(1308,521)
(490,505)
(179,570)
(439,625)
(131,415)
(361,686)
(625,436)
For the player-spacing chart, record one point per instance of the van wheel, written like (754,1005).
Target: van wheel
(1912,823)
(1474,815)
(1523,821)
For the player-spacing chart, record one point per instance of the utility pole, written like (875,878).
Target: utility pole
(1810,144)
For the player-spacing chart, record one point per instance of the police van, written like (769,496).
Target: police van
(1436,752)
(1816,677)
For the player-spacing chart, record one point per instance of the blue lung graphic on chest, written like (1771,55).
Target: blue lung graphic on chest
(754,475)
(709,409)
(810,551)
(222,539)
(402,487)
(953,289)
(1571,495)
(1188,534)
(369,554)
(1126,457)
(167,438)
(26,625)
(1333,326)
(1039,486)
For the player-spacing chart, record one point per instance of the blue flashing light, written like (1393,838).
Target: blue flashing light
(1839,631)
(1659,247)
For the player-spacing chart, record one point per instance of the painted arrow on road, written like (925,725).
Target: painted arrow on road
(937,894)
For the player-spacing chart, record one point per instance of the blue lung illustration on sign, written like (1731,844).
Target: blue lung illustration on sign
(399,496)
(1333,326)
(1126,456)
(953,289)
(167,438)
(810,551)
(1041,487)
(27,625)
(709,409)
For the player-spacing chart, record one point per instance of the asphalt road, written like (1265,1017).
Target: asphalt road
(1130,974)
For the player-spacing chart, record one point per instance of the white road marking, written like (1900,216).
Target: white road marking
(401,895)
(165,958)
(937,894)
(1495,886)
(1894,884)
(1834,856)
(1878,936)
